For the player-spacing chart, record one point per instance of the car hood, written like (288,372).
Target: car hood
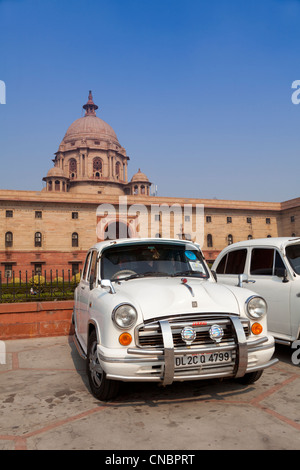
(161,297)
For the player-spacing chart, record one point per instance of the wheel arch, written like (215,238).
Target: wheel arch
(93,326)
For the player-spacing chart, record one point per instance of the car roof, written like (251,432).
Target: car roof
(124,241)
(278,242)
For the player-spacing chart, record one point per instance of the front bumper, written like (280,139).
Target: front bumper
(159,365)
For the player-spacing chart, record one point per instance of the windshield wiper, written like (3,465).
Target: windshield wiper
(189,273)
(146,274)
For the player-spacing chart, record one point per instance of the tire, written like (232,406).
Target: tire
(250,378)
(102,388)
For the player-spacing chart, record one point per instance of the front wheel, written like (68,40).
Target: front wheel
(101,387)
(250,378)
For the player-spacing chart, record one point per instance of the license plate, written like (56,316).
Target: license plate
(190,360)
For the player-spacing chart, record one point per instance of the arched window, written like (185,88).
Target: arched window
(209,241)
(37,239)
(72,168)
(136,190)
(75,239)
(57,185)
(9,239)
(97,167)
(118,170)
(142,189)
(250,237)
(230,239)
(50,185)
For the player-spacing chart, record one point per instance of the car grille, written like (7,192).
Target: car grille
(149,335)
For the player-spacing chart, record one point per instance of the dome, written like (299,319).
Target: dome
(56,172)
(139,177)
(90,126)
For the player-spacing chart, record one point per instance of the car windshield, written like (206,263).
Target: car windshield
(293,255)
(151,259)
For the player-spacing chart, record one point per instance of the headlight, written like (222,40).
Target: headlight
(256,307)
(124,316)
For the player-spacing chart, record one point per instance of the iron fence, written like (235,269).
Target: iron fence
(30,287)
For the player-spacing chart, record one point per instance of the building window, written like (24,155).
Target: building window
(293,235)
(292,218)
(208,219)
(74,215)
(74,240)
(38,214)
(135,189)
(8,270)
(118,170)
(250,237)
(50,185)
(268,220)
(9,214)
(157,217)
(75,269)
(187,218)
(230,239)
(72,168)
(37,269)
(229,220)
(57,185)
(143,189)
(97,167)
(8,240)
(249,220)
(38,239)
(209,241)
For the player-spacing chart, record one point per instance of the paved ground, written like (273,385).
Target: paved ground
(46,404)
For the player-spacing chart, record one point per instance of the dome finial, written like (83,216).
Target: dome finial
(90,107)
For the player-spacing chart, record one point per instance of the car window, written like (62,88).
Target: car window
(278,262)
(221,266)
(293,255)
(93,266)
(233,262)
(262,261)
(86,265)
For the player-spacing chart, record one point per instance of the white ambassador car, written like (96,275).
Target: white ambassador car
(150,310)
(271,266)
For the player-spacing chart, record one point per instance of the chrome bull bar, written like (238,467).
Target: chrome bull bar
(241,347)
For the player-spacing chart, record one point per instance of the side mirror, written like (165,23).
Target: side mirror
(242,278)
(282,272)
(107,284)
(214,275)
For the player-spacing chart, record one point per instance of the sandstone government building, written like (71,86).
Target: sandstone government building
(52,229)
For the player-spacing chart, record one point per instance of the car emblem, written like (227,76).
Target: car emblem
(216,333)
(188,334)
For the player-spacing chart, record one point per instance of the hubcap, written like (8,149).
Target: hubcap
(96,371)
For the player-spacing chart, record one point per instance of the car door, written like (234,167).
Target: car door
(82,302)
(264,269)
(91,282)
(231,265)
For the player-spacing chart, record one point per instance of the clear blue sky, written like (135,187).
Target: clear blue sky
(197,91)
